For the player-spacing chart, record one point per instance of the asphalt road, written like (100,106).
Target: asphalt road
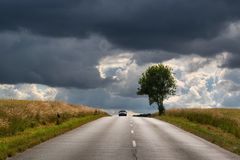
(126,138)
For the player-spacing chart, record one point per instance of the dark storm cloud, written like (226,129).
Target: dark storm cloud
(26,58)
(143,57)
(169,25)
(38,45)
(132,24)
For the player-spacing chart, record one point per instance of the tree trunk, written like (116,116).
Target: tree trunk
(161,109)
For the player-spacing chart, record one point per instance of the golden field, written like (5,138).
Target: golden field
(17,115)
(24,123)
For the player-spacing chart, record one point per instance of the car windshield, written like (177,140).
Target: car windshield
(122,111)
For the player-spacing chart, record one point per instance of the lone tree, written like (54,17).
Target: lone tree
(158,83)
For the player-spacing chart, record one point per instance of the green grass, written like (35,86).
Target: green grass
(26,123)
(219,126)
(32,136)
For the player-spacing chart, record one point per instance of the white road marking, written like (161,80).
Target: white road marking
(134,143)
(132,131)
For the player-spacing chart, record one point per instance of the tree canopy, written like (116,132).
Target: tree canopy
(158,83)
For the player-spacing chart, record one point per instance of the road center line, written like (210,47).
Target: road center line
(132,131)
(134,143)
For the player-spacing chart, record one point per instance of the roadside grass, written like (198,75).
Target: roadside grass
(32,136)
(219,126)
(18,115)
(24,124)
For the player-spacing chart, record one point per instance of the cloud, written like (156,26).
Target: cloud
(64,62)
(207,85)
(177,26)
(153,19)
(28,91)
(201,81)
(125,70)
(60,43)
(102,98)
(84,49)
(109,66)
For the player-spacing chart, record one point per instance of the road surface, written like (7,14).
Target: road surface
(126,138)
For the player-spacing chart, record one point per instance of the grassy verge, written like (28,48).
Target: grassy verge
(219,126)
(25,123)
(32,136)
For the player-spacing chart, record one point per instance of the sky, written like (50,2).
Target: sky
(93,52)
